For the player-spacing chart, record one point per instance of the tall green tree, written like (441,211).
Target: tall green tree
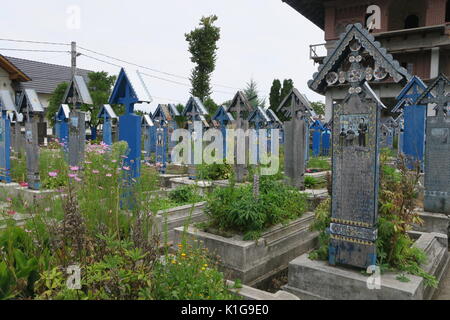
(252,94)
(275,95)
(203,48)
(288,84)
(55,102)
(318,107)
(100,86)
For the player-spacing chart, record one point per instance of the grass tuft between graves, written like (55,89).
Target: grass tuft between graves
(397,201)
(101,224)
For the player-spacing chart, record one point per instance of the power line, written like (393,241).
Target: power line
(33,50)
(104,55)
(149,75)
(148,68)
(37,42)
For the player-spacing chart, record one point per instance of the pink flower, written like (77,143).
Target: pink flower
(47,209)
(8,199)
(109,175)
(53,174)
(95,171)
(11,212)
(74,168)
(113,161)
(72,175)
(126,168)
(77,179)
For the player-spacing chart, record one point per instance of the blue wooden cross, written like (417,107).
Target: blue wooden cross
(223,118)
(326,141)
(195,111)
(62,128)
(130,89)
(149,133)
(317,129)
(259,119)
(414,117)
(6,106)
(107,114)
(167,113)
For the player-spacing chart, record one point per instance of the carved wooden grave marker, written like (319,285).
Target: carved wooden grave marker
(356,60)
(437,149)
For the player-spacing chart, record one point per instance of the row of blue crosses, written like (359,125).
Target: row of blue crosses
(321,138)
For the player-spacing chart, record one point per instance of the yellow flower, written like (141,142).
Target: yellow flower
(183,254)
(203,269)
(205,265)
(174,262)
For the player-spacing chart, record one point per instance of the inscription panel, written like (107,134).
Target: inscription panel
(437,162)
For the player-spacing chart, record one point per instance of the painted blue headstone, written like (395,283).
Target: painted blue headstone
(414,117)
(168,114)
(6,106)
(195,112)
(260,120)
(108,115)
(356,59)
(149,134)
(62,119)
(316,129)
(223,118)
(274,123)
(130,89)
(326,141)
(161,147)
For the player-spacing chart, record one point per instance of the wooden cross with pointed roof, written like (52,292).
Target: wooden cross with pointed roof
(441,99)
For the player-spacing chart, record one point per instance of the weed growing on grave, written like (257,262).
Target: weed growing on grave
(53,168)
(185,195)
(88,225)
(321,223)
(234,209)
(214,171)
(18,168)
(189,275)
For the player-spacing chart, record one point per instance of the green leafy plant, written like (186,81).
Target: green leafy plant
(189,275)
(214,171)
(185,195)
(234,209)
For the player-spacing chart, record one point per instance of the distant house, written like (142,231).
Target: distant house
(17,74)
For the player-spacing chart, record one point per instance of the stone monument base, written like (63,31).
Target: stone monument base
(313,280)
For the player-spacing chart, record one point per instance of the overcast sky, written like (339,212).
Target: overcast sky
(260,39)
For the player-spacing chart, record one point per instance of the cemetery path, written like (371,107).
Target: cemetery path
(444,289)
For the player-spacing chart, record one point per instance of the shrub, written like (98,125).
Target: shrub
(235,209)
(214,171)
(185,195)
